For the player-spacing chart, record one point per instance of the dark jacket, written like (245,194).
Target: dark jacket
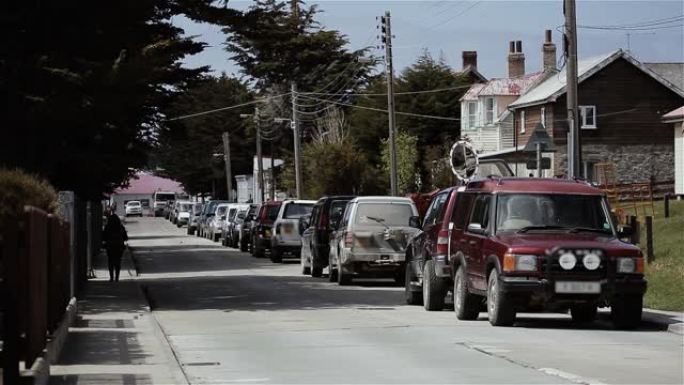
(114,234)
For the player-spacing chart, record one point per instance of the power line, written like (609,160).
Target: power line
(396,93)
(188,116)
(386,111)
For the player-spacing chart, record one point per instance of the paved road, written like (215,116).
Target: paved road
(231,318)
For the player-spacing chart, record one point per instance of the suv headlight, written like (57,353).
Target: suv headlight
(520,262)
(630,265)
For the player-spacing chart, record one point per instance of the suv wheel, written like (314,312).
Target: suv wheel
(433,288)
(625,310)
(466,305)
(332,272)
(276,255)
(343,278)
(243,244)
(583,312)
(413,296)
(306,270)
(500,311)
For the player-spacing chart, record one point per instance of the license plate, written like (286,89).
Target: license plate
(578,287)
(384,257)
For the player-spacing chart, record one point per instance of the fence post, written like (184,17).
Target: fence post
(634,224)
(667,205)
(649,239)
(9,243)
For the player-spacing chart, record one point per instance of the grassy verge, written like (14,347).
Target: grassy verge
(666,275)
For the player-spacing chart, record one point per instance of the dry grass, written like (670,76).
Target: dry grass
(666,275)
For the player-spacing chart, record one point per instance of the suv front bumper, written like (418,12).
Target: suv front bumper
(544,287)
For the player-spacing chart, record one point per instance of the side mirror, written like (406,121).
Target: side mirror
(475,228)
(414,222)
(625,232)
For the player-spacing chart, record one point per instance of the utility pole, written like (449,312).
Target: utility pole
(260,159)
(389,72)
(273,186)
(295,122)
(574,149)
(226,157)
(297,150)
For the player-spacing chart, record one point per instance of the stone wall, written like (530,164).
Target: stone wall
(634,163)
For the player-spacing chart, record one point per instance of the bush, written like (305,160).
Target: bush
(19,189)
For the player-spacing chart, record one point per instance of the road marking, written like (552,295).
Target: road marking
(569,376)
(250,380)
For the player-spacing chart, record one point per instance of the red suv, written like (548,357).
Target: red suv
(536,245)
(263,227)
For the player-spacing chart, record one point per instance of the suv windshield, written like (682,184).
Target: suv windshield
(387,214)
(184,207)
(296,210)
(523,212)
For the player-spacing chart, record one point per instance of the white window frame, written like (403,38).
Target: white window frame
(486,110)
(472,116)
(542,119)
(522,121)
(583,117)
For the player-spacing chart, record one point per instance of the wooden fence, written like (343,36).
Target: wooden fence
(35,258)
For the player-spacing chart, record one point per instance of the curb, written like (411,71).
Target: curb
(177,370)
(673,322)
(59,336)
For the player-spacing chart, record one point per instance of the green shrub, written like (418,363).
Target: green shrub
(19,189)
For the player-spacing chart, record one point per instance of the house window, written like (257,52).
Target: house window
(472,115)
(543,116)
(522,121)
(489,110)
(588,116)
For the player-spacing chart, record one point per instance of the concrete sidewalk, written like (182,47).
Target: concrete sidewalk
(115,339)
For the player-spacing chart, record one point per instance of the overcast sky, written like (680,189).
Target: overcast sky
(450,27)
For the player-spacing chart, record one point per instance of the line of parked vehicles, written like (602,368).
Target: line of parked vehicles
(497,243)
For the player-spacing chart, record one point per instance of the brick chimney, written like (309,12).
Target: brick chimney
(549,52)
(516,60)
(469,59)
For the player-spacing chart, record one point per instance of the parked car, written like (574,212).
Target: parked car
(541,245)
(286,238)
(168,209)
(208,211)
(245,237)
(228,223)
(133,208)
(160,201)
(233,225)
(324,218)
(427,254)
(262,228)
(215,222)
(182,213)
(371,238)
(196,210)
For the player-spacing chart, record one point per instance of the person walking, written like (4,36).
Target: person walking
(115,237)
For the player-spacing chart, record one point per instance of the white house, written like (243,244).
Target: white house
(485,118)
(677,118)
